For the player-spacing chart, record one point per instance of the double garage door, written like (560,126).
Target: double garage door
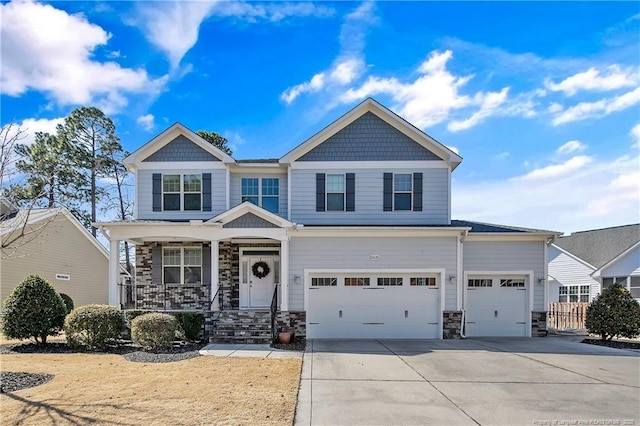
(374,305)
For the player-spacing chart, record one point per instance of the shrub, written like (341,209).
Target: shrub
(131,314)
(614,313)
(190,324)
(33,310)
(154,330)
(93,326)
(68,302)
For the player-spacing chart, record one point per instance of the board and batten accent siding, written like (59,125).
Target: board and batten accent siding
(144,187)
(181,149)
(355,252)
(369,197)
(567,271)
(369,138)
(236,188)
(508,256)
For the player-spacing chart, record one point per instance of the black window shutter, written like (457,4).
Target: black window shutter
(206,264)
(206,192)
(417,192)
(157,192)
(388,192)
(351,192)
(320,187)
(156,265)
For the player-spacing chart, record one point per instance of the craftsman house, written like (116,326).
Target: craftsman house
(348,235)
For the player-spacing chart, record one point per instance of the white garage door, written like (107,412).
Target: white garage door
(497,306)
(365,305)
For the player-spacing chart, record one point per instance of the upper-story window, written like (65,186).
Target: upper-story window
(182,192)
(335,193)
(402,192)
(264,192)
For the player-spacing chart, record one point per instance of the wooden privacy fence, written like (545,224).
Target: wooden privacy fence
(563,315)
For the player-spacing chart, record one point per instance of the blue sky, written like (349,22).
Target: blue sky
(540,99)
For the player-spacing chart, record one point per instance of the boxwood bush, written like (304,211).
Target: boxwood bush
(154,330)
(190,324)
(93,326)
(68,302)
(614,313)
(131,314)
(32,310)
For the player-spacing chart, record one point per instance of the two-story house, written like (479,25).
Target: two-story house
(348,235)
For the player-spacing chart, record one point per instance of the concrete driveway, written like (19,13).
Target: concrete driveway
(537,381)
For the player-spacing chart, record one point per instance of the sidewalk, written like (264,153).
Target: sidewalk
(247,351)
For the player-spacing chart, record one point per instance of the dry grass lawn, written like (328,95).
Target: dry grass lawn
(107,389)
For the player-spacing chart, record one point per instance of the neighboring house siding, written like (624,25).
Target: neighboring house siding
(369,198)
(145,195)
(249,220)
(508,256)
(567,271)
(626,266)
(60,248)
(354,253)
(181,149)
(369,138)
(236,188)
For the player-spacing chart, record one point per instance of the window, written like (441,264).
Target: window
(484,282)
(356,282)
(182,192)
(335,192)
(402,190)
(423,281)
(574,293)
(634,287)
(263,192)
(512,283)
(390,281)
(324,282)
(182,265)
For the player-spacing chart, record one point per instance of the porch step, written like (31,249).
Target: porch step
(242,327)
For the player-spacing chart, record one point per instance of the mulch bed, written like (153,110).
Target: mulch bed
(11,382)
(619,344)
(297,344)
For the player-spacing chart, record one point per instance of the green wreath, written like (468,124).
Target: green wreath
(260,269)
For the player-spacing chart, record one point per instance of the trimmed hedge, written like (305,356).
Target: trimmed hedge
(131,314)
(68,302)
(93,326)
(190,324)
(614,313)
(154,330)
(33,310)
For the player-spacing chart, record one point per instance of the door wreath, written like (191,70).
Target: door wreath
(260,269)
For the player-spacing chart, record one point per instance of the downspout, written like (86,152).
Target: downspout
(461,278)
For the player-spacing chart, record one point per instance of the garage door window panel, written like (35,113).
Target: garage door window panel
(519,283)
(356,282)
(389,281)
(482,282)
(324,282)
(423,282)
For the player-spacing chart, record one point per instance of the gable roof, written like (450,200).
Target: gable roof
(6,206)
(598,272)
(369,105)
(168,136)
(600,246)
(490,228)
(247,208)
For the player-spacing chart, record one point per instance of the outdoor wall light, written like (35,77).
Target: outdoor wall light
(452,278)
(297,279)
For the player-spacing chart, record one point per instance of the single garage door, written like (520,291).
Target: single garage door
(364,305)
(497,306)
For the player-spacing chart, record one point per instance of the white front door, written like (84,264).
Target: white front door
(260,281)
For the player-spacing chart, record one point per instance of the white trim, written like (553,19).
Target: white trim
(247,207)
(545,274)
(448,194)
(529,288)
(366,231)
(598,272)
(160,167)
(267,168)
(215,274)
(284,275)
(508,236)
(459,266)
(441,272)
(289,193)
(114,262)
(227,186)
(378,165)
(136,194)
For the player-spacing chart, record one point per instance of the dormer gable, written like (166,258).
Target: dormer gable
(371,132)
(176,144)
(248,215)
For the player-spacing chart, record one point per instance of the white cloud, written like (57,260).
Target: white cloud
(570,147)
(340,74)
(635,135)
(30,126)
(454,149)
(612,77)
(49,50)
(558,170)
(502,155)
(235,140)
(146,121)
(491,102)
(585,110)
(594,194)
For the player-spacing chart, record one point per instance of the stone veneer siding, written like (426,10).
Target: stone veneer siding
(538,324)
(292,320)
(451,321)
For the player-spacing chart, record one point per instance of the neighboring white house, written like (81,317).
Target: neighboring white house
(583,263)
(348,235)
(54,245)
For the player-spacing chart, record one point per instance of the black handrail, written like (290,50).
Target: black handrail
(274,310)
(213,299)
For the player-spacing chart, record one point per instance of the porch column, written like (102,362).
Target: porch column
(284,275)
(114,269)
(215,273)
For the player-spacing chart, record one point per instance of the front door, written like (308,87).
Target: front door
(261,280)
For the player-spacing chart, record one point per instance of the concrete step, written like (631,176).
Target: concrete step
(241,339)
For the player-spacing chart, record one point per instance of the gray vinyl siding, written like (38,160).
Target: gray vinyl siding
(181,149)
(508,256)
(568,271)
(369,199)
(626,266)
(145,195)
(249,220)
(369,138)
(236,189)
(354,253)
